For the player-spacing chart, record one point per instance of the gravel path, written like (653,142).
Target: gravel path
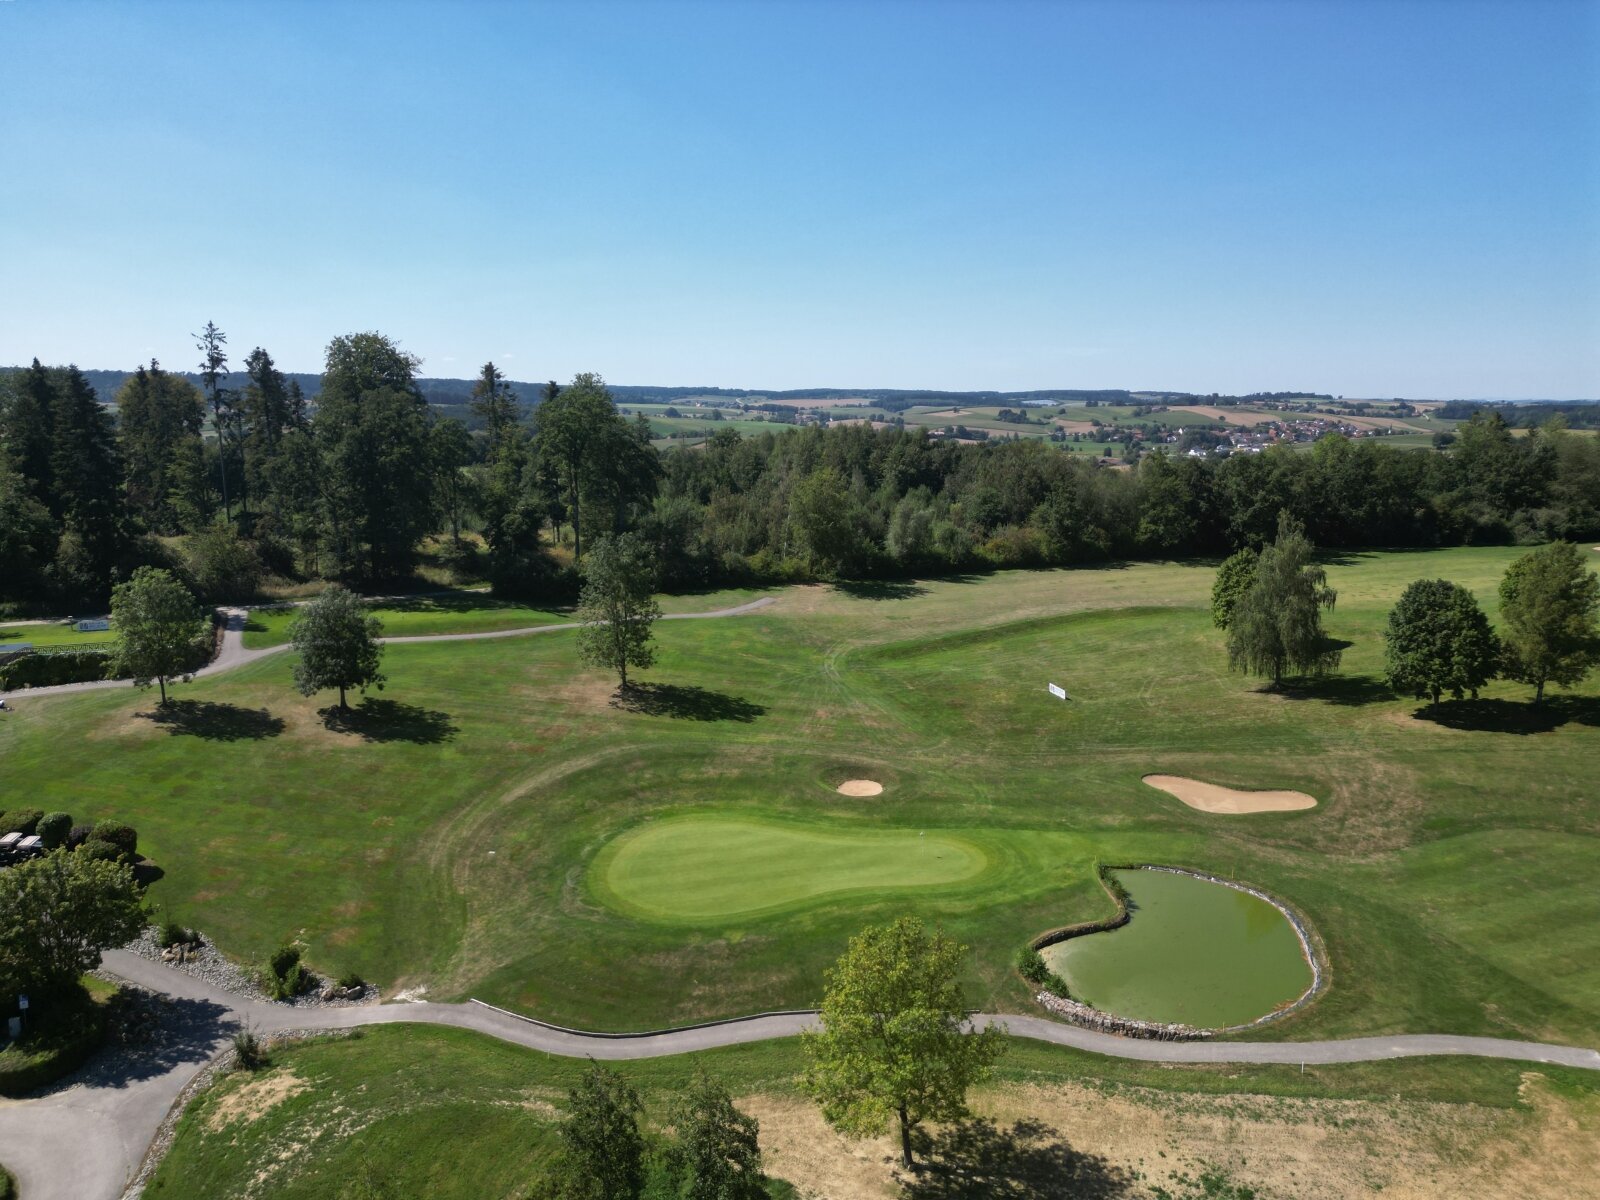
(233,652)
(86,1138)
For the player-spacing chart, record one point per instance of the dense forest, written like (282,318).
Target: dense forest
(233,476)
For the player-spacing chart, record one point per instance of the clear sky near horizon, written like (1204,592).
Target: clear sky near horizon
(1363,198)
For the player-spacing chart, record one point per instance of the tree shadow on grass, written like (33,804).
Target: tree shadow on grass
(146,872)
(1510,716)
(1350,691)
(215,722)
(375,720)
(979,1160)
(686,703)
(880,589)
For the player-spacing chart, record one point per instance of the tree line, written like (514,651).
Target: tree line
(243,475)
(1437,640)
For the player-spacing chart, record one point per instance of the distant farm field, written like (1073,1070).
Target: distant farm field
(496,824)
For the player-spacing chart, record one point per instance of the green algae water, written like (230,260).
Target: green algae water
(1194,952)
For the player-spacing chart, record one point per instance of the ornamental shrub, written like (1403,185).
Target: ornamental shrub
(1032,965)
(22,820)
(119,835)
(53,829)
(170,933)
(247,1049)
(78,835)
(95,851)
(282,959)
(285,977)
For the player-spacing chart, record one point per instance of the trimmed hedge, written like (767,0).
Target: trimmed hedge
(119,835)
(46,668)
(20,820)
(53,829)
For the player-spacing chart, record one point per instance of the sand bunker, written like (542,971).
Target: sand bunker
(860,787)
(1214,798)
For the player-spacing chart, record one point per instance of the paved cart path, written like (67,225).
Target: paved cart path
(233,652)
(85,1141)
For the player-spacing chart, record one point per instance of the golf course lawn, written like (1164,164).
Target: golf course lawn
(463,612)
(494,825)
(707,868)
(444,1113)
(51,634)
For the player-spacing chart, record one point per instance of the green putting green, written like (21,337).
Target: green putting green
(706,868)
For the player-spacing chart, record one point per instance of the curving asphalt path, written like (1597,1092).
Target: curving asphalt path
(87,1140)
(233,653)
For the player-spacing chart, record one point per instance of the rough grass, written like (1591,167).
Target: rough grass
(447,1113)
(449,836)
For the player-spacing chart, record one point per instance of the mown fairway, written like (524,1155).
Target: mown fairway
(465,836)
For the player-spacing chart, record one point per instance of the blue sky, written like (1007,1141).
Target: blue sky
(1365,198)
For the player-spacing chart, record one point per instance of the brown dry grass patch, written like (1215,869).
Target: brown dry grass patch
(255,1099)
(1308,1149)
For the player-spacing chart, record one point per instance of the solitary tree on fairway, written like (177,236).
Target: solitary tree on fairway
(1438,641)
(1277,625)
(602,1148)
(1548,601)
(894,1040)
(718,1154)
(159,627)
(617,606)
(57,913)
(337,641)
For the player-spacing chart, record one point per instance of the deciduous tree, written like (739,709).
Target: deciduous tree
(602,1149)
(57,913)
(717,1155)
(336,639)
(160,629)
(1234,577)
(895,1041)
(617,606)
(1548,602)
(1437,641)
(1277,625)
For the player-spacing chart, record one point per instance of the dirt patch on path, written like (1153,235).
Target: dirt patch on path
(255,1099)
(1214,798)
(860,787)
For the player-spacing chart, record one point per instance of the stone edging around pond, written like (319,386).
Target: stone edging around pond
(1092,1018)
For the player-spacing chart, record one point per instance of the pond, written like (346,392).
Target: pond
(1195,952)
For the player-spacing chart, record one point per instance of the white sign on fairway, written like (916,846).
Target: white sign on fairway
(1059,693)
